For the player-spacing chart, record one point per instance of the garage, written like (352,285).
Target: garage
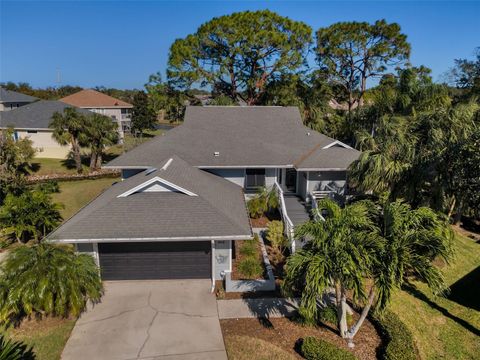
(155,260)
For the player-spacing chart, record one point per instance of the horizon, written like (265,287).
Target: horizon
(119,44)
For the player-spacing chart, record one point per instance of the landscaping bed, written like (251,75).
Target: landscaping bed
(284,334)
(248,263)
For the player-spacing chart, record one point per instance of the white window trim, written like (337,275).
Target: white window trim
(152,181)
(337,142)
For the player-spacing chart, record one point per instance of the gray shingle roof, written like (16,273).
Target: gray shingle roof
(218,210)
(243,136)
(37,115)
(9,96)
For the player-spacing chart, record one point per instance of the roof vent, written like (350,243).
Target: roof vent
(308,133)
(216,153)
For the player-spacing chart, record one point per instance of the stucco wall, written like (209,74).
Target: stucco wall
(223,257)
(45,144)
(318,179)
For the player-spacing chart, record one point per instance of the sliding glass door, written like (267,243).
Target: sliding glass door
(254,178)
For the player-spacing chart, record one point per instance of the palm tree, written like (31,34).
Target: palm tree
(30,215)
(67,129)
(367,249)
(100,131)
(46,279)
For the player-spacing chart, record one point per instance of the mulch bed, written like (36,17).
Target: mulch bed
(32,179)
(285,333)
(238,258)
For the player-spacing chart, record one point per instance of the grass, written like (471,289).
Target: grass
(45,166)
(47,337)
(248,348)
(130,142)
(76,194)
(446,327)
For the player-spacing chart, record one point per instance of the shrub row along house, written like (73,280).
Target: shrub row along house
(31,117)
(181,203)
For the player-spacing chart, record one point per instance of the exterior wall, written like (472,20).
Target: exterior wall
(223,258)
(302,184)
(318,179)
(236,176)
(46,145)
(270,176)
(90,249)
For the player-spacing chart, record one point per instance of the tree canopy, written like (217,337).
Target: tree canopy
(239,54)
(353,52)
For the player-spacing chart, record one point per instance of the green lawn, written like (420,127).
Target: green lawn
(47,337)
(447,328)
(45,166)
(76,194)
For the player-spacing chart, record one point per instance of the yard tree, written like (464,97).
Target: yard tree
(368,251)
(100,131)
(15,160)
(143,115)
(353,52)
(239,54)
(157,92)
(29,216)
(466,74)
(68,128)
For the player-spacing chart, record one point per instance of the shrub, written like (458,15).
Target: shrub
(30,215)
(249,247)
(255,207)
(400,343)
(14,350)
(328,314)
(275,235)
(250,267)
(47,279)
(318,349)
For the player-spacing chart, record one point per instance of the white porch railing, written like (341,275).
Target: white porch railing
(315,211)
(288,225)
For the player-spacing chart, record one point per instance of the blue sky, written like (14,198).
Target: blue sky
(119,44)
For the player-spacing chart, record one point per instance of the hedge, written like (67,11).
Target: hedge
(318,349)
(400,344)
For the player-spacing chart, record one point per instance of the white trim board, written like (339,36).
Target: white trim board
(337,142)
(157,184)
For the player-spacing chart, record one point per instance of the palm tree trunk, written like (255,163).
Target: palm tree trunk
(76,154)
(98,165)
(353,331)
(93,159)
(452,206)
(342,320)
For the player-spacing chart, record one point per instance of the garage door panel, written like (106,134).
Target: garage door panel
(133,261)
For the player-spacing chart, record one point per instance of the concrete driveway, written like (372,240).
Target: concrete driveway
(168,319)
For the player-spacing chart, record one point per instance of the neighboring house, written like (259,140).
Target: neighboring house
(10,100)
(118,110)
(32,121)
(181,201)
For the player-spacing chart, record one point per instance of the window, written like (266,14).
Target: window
(31,131)
(255,178)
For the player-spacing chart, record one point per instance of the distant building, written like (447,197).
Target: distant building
(10,100)
(118,110)
(32,120)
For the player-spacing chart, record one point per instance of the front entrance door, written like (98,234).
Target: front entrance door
(291,180)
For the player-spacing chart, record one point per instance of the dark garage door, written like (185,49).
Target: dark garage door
(168,260)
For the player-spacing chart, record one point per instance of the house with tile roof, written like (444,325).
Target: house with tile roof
(181,207)
(92,100)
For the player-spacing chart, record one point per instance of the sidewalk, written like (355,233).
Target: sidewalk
(257,308)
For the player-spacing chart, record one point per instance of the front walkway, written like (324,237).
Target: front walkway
(169,319)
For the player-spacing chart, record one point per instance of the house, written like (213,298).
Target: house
(10,100)
(32,120)
(182,198)
(118,110)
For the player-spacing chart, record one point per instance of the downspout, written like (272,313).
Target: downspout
(213,266)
